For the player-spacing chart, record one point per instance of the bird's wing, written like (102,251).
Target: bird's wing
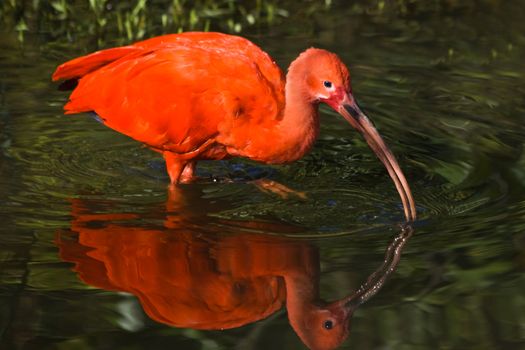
(81,66)
(176,94)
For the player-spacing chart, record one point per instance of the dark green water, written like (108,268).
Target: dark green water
(445,86)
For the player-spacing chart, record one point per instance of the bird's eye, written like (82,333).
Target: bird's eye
(327,84)
(328,324)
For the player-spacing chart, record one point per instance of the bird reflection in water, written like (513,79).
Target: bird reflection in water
(211,278)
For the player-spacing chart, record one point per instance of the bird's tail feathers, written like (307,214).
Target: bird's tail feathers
(80,66)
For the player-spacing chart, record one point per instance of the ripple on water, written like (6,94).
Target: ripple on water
(59,157)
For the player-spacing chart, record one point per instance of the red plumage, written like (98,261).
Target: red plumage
(194,96)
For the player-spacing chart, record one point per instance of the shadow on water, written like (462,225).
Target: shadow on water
(214,277)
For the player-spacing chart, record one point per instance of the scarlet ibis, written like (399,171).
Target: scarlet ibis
(209,278)
(194,96)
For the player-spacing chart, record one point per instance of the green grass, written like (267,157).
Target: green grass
(140,18)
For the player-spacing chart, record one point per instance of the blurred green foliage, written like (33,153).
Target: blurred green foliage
(133,19)
(136,19)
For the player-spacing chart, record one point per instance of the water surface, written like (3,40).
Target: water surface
(445,87)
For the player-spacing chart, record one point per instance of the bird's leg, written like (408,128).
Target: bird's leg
(279,189)
(187,175)
(174,166)
(179,170)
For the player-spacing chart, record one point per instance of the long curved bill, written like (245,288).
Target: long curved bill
(349,109)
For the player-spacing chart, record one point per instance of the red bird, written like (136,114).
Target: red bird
(194,96)
(214,277)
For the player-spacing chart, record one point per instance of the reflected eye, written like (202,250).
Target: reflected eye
(328,324)
(327,84)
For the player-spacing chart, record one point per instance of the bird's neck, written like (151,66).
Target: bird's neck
(299,126)
(292,134)
(302,297)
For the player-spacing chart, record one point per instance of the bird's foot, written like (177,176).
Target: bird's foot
(279,189)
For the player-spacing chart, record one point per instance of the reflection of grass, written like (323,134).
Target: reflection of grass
(133,19)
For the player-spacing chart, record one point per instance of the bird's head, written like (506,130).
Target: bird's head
(321,77)
(326,78)
(324,328)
